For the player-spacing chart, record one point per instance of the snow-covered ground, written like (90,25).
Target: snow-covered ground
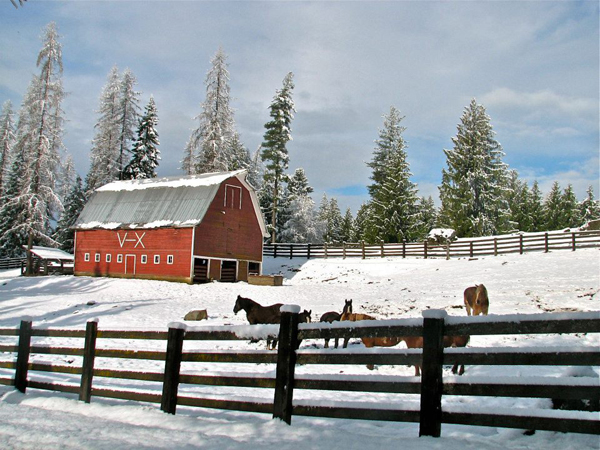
(560,281)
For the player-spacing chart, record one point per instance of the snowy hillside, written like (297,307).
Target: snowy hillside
(559,281)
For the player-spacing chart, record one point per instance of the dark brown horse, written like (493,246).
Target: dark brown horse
(476,300)
(333,316)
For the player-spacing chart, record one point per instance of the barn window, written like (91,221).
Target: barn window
(233,197)
(119,258)
(144,259)
(97,257)
(108,257)
(86,257)
(156,259)
(170,259)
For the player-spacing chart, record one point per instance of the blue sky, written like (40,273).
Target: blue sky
(533,65)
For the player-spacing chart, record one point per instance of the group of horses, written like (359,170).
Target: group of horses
(475,298)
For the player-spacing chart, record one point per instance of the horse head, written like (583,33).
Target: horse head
(347,307)
(238,304)
(304,316)
(482,302)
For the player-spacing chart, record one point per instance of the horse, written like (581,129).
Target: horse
(258,314)
(334,316)
(449,341)
(476,300)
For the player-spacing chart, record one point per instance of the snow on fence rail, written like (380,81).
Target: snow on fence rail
(431,387)
(515,243)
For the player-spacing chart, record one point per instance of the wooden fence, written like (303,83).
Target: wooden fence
(40,266)
(431,386)
(11,263)
(519,243)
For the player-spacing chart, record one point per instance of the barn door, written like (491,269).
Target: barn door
(228,272)
(200,270)
(130,264)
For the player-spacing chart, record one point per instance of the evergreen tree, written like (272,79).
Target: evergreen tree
(298,184)
(553,209)
(274,151)
(331,220)
(145,151)
(74,203)
(393,195)
(7,139)
(105,144)
(536,209)
(519,202)
(360,223)
(427,217)
(127,118)
(255,171)
(589,208)
(302,225)
(347,227)
(211,146)
(473,187)
(570,211)
(39,136)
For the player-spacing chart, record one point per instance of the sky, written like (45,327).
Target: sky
(534,65)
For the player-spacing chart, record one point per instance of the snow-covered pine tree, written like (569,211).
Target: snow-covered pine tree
(127,118)
(570,216)
(209,146)
(298,215)
(390,141)
(360,222)
(394,213)
(74,203)
(274,152)
(347,227)
(66,178)
(427,217)
(552,208)
(298,184)
(330,217)
(536,209)
(473,189)
(7,139)
(255,171)
(589,207)
(105,144)
(238,155)
(145,153)
(38,141)
(518,202)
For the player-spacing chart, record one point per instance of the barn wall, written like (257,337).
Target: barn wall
(132,245)
(228,231)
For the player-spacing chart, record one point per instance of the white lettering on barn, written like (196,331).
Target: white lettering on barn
(137,240)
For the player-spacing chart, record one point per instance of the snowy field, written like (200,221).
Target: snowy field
(560,281)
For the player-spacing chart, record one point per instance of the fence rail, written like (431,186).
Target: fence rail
(431,387)
(519,243)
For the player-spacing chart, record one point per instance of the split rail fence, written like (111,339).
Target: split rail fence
(497,245)
(431,387)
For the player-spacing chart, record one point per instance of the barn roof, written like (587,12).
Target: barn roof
(158,202)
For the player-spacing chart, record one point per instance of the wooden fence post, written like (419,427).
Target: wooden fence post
(89,354)
(344,249)
(382,250)
(24,349)
(291,251)
(404,248)
(325,248)
(520,244)
(471,249)
(573,240)
(286,363)
(308,252)
(431,373)
(274,250)
(168,401)
(362,245)
(495,246)
(425,249)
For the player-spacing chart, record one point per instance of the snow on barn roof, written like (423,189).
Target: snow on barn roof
(50,253)
(157,202)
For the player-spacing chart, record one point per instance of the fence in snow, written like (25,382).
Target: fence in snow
(431,386)
(518,243)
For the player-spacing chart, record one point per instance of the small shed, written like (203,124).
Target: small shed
(191,229)
(47,260)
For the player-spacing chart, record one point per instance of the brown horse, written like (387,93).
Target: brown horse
(476,300)
(333,316)
(371,341)
(449,341)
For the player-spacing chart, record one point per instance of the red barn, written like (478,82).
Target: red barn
(189,229)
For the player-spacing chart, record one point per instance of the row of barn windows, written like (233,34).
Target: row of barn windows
(144,258)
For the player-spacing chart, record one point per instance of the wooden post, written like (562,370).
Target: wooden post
(520,244)
(291,251)
(546,242)
(404,248)
(325,248)
(425,249)
(495,246)
(382,250)
(573,240)
(89,354)
(168,401)
(344,249)
(45,267)
(286,363)
(431,373)
(362,245)
(274,250)
(471,249)
(24,349)
(308,252)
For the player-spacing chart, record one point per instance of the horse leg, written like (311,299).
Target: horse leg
(371,366)
(417,371)
(326,343)
(346,340)
(461,370)
(337,341)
